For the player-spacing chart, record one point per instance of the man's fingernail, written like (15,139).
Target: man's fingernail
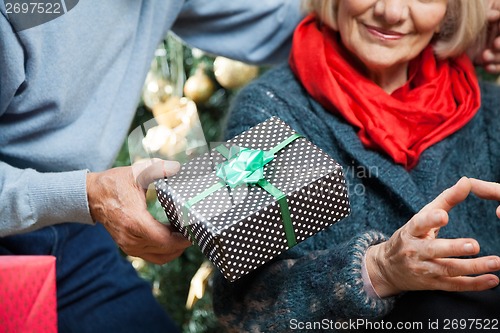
(171,165)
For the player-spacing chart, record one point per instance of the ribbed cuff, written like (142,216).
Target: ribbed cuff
(368,306)
(59,197)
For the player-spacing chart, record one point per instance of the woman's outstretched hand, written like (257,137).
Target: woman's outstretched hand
(414,258)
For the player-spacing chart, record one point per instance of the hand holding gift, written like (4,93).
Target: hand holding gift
(117,199)
(415,259)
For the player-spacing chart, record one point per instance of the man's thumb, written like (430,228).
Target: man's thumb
(147,172)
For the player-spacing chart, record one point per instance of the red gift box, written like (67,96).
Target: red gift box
(28,294)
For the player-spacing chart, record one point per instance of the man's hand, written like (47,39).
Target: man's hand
(414,258)
(489,57)
(117,199)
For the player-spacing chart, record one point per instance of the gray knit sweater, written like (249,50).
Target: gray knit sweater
(320,279)
(69,89)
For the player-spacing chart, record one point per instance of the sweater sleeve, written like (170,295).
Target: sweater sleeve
(30,200)
(320,279)
(251,31)
(301,286)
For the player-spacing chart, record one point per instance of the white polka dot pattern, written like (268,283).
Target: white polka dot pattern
(240,229)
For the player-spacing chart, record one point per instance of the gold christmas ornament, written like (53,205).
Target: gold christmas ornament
(198,284)
(156,90)
(137,263)
(165,141)
(232,74)
(197,53)
(178,132)
(199,87)
(174,111)
(151,194)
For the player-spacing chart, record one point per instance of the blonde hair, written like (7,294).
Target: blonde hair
(463,27)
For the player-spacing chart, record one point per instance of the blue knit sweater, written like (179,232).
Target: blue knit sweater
(320,279)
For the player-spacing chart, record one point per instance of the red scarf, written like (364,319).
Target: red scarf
(440,97)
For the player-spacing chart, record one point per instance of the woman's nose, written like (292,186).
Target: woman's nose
(392,11)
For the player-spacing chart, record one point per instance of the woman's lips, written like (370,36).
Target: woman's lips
(384,34)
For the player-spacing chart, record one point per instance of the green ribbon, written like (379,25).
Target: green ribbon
(246,166)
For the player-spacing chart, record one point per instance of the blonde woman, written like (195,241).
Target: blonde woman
(386,88)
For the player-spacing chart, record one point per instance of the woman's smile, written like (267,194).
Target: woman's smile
(383,34)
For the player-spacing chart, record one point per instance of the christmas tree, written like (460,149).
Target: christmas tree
(185,87)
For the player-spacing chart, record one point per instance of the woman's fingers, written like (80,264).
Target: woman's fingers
(455,267)
(426,223)
(433,216)
(443,248)
(467,283)
(415,259)
(485,190)
(452,196)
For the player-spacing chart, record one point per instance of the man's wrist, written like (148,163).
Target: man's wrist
(90,185)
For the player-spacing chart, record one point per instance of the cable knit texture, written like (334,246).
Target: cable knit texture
(321,277)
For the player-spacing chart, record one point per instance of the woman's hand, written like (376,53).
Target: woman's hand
(117,199)
(486,190)
(415,259)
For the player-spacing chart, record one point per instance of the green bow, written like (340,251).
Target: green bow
(244,166)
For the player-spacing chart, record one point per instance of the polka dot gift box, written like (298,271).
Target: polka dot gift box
(248,200)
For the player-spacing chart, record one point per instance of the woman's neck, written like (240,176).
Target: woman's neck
(390,79)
